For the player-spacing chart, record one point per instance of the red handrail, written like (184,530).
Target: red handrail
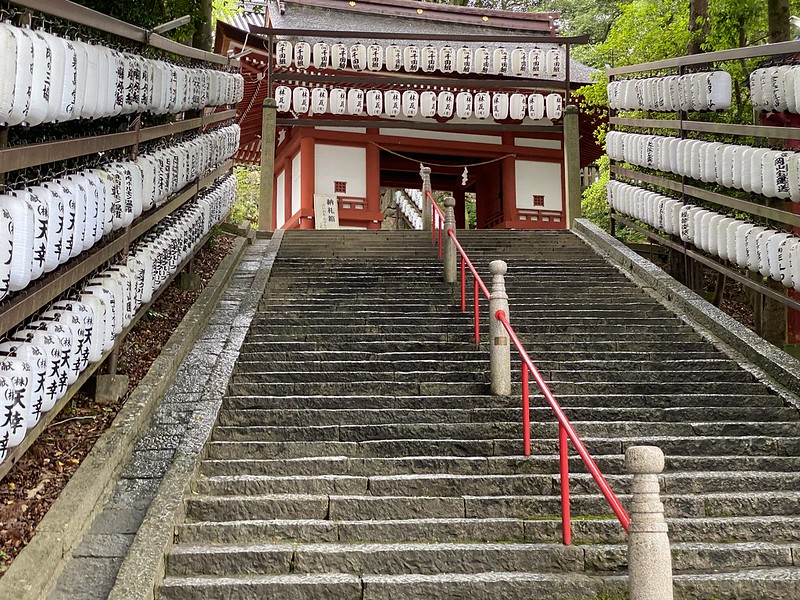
(565,431)
(465,262)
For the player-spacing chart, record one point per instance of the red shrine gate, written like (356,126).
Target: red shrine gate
(479,96)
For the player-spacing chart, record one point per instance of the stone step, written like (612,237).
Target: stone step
(390,559)
(464,332)
(226,461)
(445,485)
(367,507)
(594,530)
(355,372)
(331,586)
(367,362)
(290,417)
(701,446)
(377,401)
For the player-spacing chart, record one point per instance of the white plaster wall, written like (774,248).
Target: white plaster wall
(540,179)
(340,163)
(280,199)
(296,179)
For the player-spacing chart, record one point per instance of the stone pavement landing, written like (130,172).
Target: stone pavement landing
(91,571)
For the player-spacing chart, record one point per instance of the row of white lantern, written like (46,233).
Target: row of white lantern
(41,359)
(776,89)
(773,173)
(418,198)
(44,226)
(410,103)
(539,63)
(45,78)
(694,91)
(411,214)
(770,252)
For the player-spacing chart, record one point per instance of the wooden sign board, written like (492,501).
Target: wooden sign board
(326,211)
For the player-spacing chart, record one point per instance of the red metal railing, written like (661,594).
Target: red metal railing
(437,226)
(566,433)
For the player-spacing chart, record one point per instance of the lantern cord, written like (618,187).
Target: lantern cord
(445,166)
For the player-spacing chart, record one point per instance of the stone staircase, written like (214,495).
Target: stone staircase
(358,454)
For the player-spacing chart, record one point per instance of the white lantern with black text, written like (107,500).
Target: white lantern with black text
(394,58)
(411,59)
(410,103)
(339,56)
(536,107)
(445,104)
(464,60)
(517,107)
(392,102)
(537,63)
(430,59)
(374,103)
(427,104)
(284,54)
(483,61)
(464,105)
(481,105)
(500,61)
(374,57)
(355,101)
(447,59)
(554,105)
(338,101)
(319,101)
(555,63)
(358,57)
(519,62)
(301,100)
(302,55)
(500,106)
(322,55)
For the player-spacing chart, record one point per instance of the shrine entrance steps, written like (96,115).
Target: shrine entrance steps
(359,454)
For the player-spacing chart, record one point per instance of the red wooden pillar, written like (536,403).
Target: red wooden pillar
(459,195)
(308,174)
(509,189)
(287,190)
(373,184)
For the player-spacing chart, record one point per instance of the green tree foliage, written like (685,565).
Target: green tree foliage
(245,207)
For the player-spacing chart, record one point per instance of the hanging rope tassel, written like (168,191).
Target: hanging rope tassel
(465,177)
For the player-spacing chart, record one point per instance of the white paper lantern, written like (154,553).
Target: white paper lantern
(410,102)
(519,62)
(430,59)
(284,54)
(339,56)
(321,55)
(536,106)
(392,102)
(776,245)
(500,103)
(358,57)
(554,105)
(374,57)
(355,101)
(464,105)
(427,104)
(319,101)
(445,104)
(338,101)
(518,105)
(737,246)
(21,213)
(751,247)
(794,176)
(283,98)
(374,103)
(723,228)
(394,58)
(411,59)
(555,63)
(762,257)
(718,88)
(757,170)
(501,61)
(464,60)
(301,100)
(302,55)
(537,63)
(447,59)
(481,104)
(483,61)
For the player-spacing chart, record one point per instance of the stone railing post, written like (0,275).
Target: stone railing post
(649,557)
(572,163)
(450,253)
(267,193)
(499,342)
(425,173)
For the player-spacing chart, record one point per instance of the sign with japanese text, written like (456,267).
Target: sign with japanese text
(326,211)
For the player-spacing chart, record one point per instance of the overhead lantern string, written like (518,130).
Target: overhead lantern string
(442,165)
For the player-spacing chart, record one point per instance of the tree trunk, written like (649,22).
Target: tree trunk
(778,15)
(203,37)
(698,25)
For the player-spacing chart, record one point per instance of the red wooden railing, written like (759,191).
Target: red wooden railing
(566,433)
